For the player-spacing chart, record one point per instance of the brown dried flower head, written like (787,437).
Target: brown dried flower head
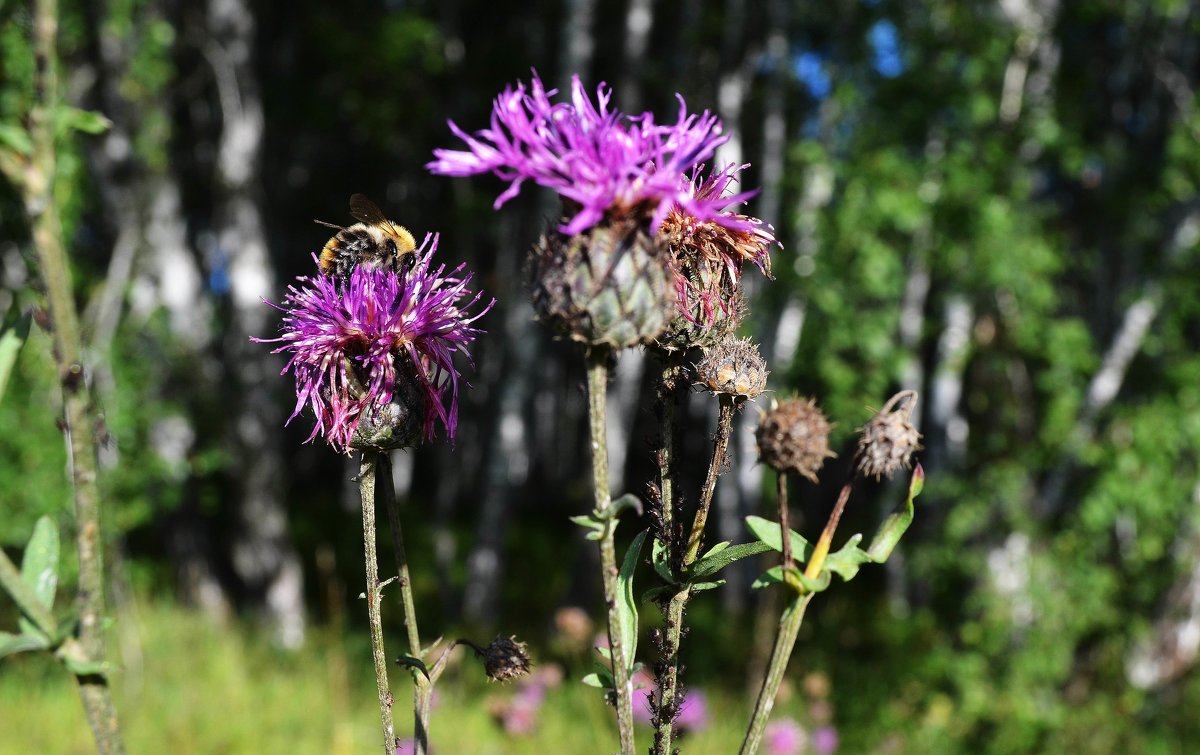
(733,367)
(794,437)
(888,441)
(506,659)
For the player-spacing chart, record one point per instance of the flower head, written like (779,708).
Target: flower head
(708,251)
(599,160)
(785,737)
(360,345)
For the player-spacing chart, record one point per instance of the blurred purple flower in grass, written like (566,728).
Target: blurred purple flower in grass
(785,737)
(600,161)
(825,740)
(693,712)
(351,341)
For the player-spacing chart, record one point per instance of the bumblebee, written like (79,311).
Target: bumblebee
(374,243)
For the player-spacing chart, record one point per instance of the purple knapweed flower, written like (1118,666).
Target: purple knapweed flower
(708,252)
(353,343)
(785,737)
(602,162)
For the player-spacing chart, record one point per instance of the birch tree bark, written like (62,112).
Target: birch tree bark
(263,556)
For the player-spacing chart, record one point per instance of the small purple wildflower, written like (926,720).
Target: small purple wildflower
(350,342)
(600,160)
(825,740)
(785,737)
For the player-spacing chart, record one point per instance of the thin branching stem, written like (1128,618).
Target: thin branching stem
(422,687)
(597,377)
(821,550)
(35,178)
(667,699)
(366,483)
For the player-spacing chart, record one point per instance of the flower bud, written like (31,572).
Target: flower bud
(888,441)
(733,367)
(609,285)
(794,437)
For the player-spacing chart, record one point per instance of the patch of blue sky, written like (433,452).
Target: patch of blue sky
(887,57)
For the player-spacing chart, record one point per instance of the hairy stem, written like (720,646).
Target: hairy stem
(785,640)
(597,375)
(422,687)
(366,483)
(35,178)
(667,702)
(720,448)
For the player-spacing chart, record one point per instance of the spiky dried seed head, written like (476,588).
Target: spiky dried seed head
(794,437)
(609,285)
(733,367)
(701,324)
(888,441)
(506,659)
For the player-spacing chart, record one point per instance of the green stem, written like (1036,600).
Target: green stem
(597,374)
(720,448)
(785,640)
(366,481)
(422,687)
(37,185)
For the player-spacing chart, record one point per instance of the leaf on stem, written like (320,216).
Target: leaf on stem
(413,663)
(39,567)
(894,527)
(13,333)
(627,609)
(712,562)
(11,644)
(767,531)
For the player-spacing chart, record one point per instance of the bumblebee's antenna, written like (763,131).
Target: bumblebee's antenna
(329,225)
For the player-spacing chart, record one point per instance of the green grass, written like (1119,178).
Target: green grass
(188,684)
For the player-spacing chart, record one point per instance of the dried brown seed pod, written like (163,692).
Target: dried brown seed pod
(506,659)
(733,367)
(794,437)
(888,441)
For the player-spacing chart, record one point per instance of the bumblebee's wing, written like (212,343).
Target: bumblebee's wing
(366,211)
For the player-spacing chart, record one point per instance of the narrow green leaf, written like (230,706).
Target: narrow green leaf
(593,680)
(897,523)
(654,593)
(87,121)
(16,138)
(590,522)
(772,576)
(12,336)
(716,549)
(711,564)
(623,504)
(768,532)
(39,567)
(604,652)
(627,608)
(658,558)
(413,663)
(39,618)
(80,667)
(11,644)
(710,585)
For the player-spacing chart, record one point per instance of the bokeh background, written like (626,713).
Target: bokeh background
(994,203)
